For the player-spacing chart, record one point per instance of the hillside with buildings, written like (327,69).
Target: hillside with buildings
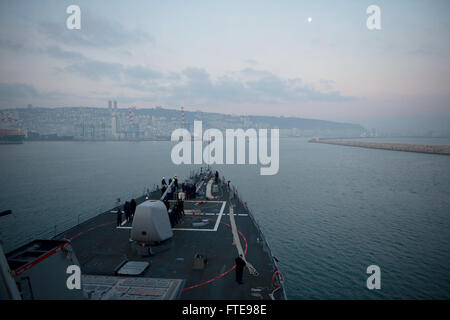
(115,123)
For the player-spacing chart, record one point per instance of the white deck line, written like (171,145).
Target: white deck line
(216,226)
(121,225)
(220,216)
(214,214)
(204,201)
(183,229)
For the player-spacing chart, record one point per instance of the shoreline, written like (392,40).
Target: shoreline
(420,148)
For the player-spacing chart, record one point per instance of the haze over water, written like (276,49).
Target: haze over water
(330,212)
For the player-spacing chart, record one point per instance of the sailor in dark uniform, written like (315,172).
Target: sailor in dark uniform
(175,182)
(119,216)
(240,264)
(133,205)
(163,182)
(127,210)
(180,203)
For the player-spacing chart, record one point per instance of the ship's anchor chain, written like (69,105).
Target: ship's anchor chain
(251,269)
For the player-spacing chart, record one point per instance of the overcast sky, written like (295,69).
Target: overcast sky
(241,57)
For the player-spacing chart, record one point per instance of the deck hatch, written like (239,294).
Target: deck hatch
(133,268)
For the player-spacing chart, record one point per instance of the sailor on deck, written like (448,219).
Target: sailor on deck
(170,192)
(175,182)
(127,208)
(240,264)
(133,205)
(119,216)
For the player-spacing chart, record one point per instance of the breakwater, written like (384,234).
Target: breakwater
(422,148)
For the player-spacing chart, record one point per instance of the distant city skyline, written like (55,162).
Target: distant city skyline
(115,123)
(308,59)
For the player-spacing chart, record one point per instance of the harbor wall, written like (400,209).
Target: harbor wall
(422,148)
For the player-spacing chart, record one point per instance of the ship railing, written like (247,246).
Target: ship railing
(266,245)
(58,230)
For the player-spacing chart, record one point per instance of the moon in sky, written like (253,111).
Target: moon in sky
(309,19)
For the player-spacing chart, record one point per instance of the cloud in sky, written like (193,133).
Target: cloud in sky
(251,62)
(96,70)
(11,44)
(13,93)
(195,85)
(210,55)
(58,53)
(249,86)
(97,32)
(190,86)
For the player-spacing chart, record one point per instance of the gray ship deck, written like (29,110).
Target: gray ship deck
(101,247)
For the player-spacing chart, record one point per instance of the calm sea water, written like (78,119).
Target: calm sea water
(330,212)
